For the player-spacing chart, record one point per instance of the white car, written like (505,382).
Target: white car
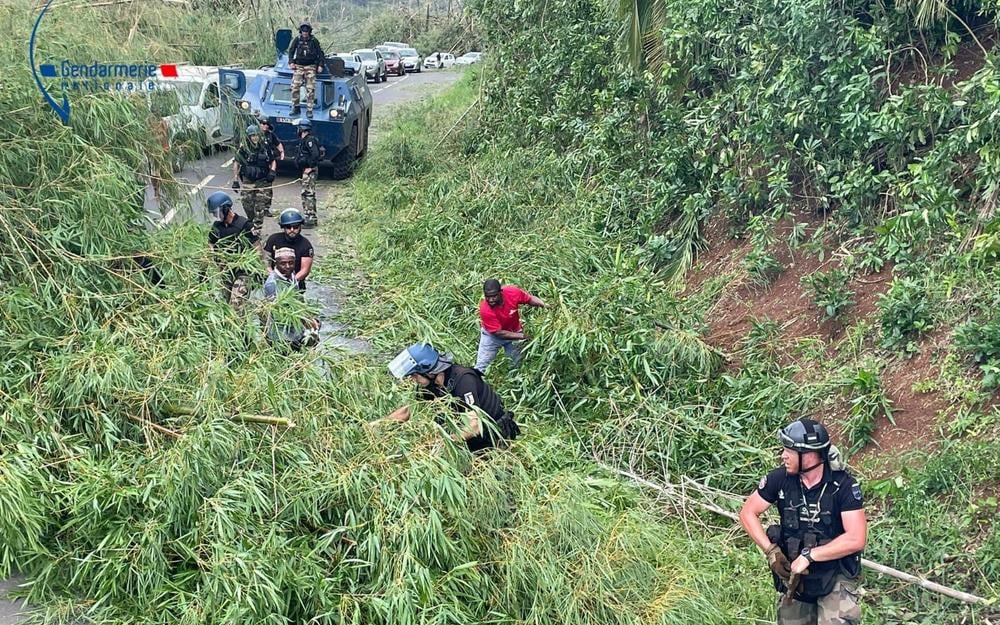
(395,44)
(192,99)
(469,58)
(411,59)
(431,60)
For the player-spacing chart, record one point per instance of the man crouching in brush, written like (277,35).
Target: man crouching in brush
(436,375)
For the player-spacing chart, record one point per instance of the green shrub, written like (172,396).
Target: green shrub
(830,292)
(905,313)
(868,403)
(982,340)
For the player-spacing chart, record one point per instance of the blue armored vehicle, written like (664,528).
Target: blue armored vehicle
(340,120)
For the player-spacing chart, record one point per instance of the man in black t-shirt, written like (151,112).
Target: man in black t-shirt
(815,552)
(290,236)
(231,235)
(488,424)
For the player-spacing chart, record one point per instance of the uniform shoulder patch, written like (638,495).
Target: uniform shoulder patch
(762,483)
(470,399)
(856,490)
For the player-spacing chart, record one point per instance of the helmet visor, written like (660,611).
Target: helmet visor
(402,365)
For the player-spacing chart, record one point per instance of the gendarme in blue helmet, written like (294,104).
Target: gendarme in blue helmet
(290,217)
(252,130)
(419,358)
(219,200)
(305,124)
(804,435)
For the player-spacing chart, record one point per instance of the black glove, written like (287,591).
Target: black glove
(270,175)
(236,185)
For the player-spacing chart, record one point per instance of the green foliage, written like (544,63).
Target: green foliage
(981,338)
(868,404)
(830,292)
(760,263)
(905,313)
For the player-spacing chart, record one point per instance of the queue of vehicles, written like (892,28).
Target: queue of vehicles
(195,107)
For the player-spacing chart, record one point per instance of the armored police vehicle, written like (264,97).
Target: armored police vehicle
(340,120)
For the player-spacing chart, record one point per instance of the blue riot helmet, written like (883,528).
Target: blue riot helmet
(305,28)
(219,204)
(419,358)
(253,130)
(305,125)
(290,217)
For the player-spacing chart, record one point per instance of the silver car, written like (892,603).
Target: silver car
(373,63)
(412,61)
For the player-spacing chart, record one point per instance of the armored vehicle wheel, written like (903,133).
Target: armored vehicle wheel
(343,165)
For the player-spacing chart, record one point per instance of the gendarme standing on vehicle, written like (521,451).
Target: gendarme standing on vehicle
(253,172)
(307,160)
(815,552)
(305,57)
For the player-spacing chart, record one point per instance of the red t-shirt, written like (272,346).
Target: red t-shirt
(504,316)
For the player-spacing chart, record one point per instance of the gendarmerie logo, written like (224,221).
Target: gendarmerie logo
(91,77)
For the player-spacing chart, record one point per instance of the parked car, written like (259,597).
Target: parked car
(189,108)
(352,63)
(431,61)
(373,62)
(383,49)
(393,63)
(411,59)
(469,58)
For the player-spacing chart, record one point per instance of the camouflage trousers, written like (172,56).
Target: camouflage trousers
(307,74)
(309,196)
(267,195)
(256,197)
(840,607)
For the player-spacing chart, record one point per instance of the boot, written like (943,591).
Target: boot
(309,113)
(296,110)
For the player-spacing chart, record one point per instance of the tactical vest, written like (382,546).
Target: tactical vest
(489,402)
(257,162)
(306,52)
(794,535)
(309,152)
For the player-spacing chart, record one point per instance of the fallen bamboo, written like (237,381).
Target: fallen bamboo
(158,428)
(262,419)
(673,491)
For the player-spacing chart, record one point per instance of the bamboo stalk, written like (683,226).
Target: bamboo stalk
(158,428)
(263,419)
(673,492)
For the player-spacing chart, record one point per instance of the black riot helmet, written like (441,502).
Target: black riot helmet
(305,28)
(803,436)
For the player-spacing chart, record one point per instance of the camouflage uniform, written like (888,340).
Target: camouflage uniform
(256,198)
(840,607)
(309,196)
(255,189)
(305,74)
(308,157)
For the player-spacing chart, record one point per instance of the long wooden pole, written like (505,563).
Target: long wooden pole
(673,492)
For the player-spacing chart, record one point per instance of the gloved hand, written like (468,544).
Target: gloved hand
(236,185)
(270,175)
(778,562)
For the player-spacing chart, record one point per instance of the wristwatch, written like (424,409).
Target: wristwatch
(807,554)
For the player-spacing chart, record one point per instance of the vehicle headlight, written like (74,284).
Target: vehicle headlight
(244,105)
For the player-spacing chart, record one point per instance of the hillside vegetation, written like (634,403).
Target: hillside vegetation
(794,213)
(147,472)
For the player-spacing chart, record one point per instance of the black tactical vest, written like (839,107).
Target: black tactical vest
(257,161)
(823,525)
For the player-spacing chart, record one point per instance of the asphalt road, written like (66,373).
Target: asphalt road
(202,178)
(214,173)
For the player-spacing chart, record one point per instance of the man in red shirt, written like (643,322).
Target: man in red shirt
(501,325)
